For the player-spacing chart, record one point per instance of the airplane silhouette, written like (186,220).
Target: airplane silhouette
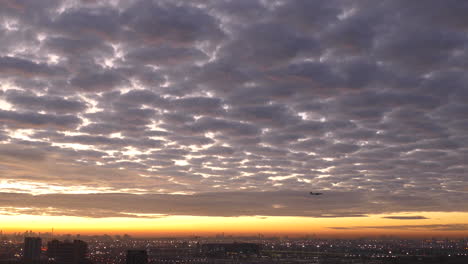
(313,193)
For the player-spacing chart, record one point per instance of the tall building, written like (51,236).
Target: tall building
(136,256)
(52,248)
(67,252)
(32,249)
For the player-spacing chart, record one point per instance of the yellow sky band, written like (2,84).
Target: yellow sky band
(437,223)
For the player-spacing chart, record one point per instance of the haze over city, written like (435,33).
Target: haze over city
(179,118)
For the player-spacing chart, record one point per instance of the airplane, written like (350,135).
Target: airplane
(313,193)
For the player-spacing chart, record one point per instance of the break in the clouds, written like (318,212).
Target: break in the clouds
(233,107)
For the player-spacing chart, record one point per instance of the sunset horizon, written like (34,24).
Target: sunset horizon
(403,225)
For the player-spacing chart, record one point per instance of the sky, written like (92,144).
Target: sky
(198,117)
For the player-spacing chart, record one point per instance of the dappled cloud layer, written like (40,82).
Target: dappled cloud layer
(233,108)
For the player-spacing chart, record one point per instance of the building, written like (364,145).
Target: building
(136,256)
(67,252)
(32,249)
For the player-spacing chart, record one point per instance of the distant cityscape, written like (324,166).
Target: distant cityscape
(46,248)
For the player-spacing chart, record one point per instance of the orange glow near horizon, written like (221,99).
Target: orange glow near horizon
(246,225)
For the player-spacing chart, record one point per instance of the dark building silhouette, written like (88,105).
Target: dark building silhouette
(67,252)
(52,248)
(32,249)
(136,256)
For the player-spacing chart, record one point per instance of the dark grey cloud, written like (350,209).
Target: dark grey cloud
(165,56)
(267,115)
(21,153)
(156,22)
(64,46)
(101,22)
(44,103)
(102,80)
(231,128)
(415,217)
(32,120)
(447,227)
(213,98)
(19,67)
(268,45)
(239,203)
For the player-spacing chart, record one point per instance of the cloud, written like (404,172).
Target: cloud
(12,66)
(166,56)
(447,227)
(236,203)
(97,81)
(415,217)
(33,120)
(44,103)
(159,22)
(359,99)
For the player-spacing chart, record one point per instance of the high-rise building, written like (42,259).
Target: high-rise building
(67,252)
(32,249)
(52,248)
(137,256)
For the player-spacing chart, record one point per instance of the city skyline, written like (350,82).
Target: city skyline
(201,117)
(226,249)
